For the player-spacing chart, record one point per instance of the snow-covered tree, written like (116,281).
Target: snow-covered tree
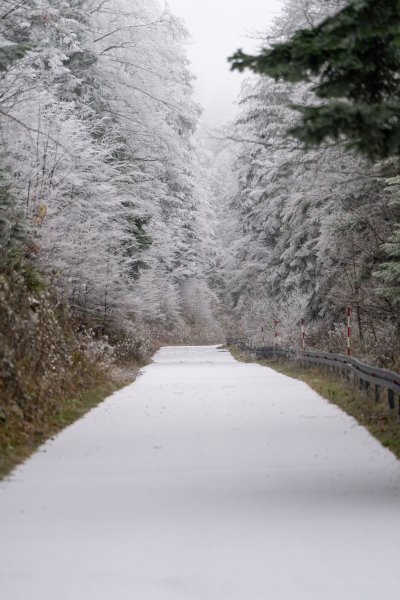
(311,227)
(97,127)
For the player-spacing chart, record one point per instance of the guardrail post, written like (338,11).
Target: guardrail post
(377,393)
(391,399)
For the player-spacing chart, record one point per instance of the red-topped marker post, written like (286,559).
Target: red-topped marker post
(349,330)
(303,334)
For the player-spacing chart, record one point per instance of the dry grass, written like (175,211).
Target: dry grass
(382,423)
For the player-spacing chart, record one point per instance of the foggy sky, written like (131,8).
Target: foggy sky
(218,28)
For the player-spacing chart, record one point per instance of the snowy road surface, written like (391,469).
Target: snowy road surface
(205,480)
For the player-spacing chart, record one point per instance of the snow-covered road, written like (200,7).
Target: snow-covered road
(207,479)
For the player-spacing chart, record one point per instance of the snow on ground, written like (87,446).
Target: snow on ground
(207,479)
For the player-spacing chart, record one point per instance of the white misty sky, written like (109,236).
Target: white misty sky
(218,28)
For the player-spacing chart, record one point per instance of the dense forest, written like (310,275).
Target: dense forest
(105,226)
(313,229)
(123,227)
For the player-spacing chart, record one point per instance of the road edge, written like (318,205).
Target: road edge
(374,416)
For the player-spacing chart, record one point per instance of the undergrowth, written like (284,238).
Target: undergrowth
(52,370)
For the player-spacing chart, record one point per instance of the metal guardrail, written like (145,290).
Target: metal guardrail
(347,366)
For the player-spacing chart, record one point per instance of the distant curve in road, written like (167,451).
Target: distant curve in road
(207,479)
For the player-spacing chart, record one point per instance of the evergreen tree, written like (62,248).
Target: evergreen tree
(353,60)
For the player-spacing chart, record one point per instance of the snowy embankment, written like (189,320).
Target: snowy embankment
(207,479)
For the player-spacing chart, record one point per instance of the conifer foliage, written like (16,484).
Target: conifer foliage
(353,60)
